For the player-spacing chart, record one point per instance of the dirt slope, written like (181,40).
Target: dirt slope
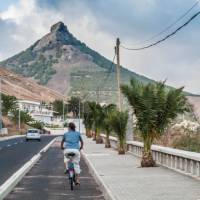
(26,88)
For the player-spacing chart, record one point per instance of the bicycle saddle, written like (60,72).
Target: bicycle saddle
(71,154)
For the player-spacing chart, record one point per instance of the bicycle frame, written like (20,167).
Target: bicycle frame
(71,169)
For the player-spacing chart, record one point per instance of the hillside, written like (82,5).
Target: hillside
(65,64)
(25,88)
(195,101)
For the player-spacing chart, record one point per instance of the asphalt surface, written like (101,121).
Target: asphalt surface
(46,181)
(9,142)
(14,153)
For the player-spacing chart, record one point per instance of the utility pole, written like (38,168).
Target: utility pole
(67,110)
(19,121)
(118,74)
(63,112)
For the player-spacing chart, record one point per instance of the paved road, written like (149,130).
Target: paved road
(46,181)
(16,152)
(10,142)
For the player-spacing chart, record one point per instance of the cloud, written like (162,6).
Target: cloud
(99,22)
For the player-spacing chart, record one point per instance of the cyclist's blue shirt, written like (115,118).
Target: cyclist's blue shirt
(71,140)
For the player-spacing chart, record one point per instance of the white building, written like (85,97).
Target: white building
(37,111)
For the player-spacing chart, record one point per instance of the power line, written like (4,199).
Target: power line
(105,79)
(171,25)
(166,37)
(108,73)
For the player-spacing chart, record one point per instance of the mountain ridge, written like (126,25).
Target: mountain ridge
(67,65)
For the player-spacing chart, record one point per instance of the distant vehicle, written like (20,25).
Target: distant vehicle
(33,134)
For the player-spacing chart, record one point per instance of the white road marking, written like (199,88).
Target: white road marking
(9,145)
(92,197)
(11,182)
(97,154)
(15,143)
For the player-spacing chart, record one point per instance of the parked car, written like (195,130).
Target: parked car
(33,134)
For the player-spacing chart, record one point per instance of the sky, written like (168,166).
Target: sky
(99,22)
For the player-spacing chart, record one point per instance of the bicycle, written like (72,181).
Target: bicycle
(71,171)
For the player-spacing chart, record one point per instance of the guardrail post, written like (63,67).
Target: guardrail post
(198,169)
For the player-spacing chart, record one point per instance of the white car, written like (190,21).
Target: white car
(33,134)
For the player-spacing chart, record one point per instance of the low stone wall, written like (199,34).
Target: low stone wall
(113,141)
(56,131)
(182,161)
(4,131)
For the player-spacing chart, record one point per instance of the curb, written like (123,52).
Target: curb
(106,191)
(11,137)
(11,182)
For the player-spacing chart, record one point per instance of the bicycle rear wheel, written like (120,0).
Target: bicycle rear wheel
(71,181)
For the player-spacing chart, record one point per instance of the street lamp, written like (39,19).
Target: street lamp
(19,120)
(1,118)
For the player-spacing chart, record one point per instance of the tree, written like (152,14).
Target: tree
(8,103)
(58,107)
(155,107)
(36,124)
(25,118)
(73,106)
(106,125)
(118,122)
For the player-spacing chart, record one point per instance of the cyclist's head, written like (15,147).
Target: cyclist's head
(71,126)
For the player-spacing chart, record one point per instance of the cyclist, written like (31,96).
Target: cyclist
(71,144)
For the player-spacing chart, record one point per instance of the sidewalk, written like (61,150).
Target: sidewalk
(123,177)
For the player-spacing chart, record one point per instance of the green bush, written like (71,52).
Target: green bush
(188,143)
(36,124)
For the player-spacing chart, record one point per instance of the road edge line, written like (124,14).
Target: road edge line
(106,191)
(11,182)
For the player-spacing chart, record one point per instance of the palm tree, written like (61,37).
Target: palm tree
(119,122)
(155,107)
(87,119)
(106,125)
(9,104)
(97,117)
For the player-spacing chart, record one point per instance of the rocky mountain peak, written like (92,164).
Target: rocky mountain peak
(59,35)
(59,27)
